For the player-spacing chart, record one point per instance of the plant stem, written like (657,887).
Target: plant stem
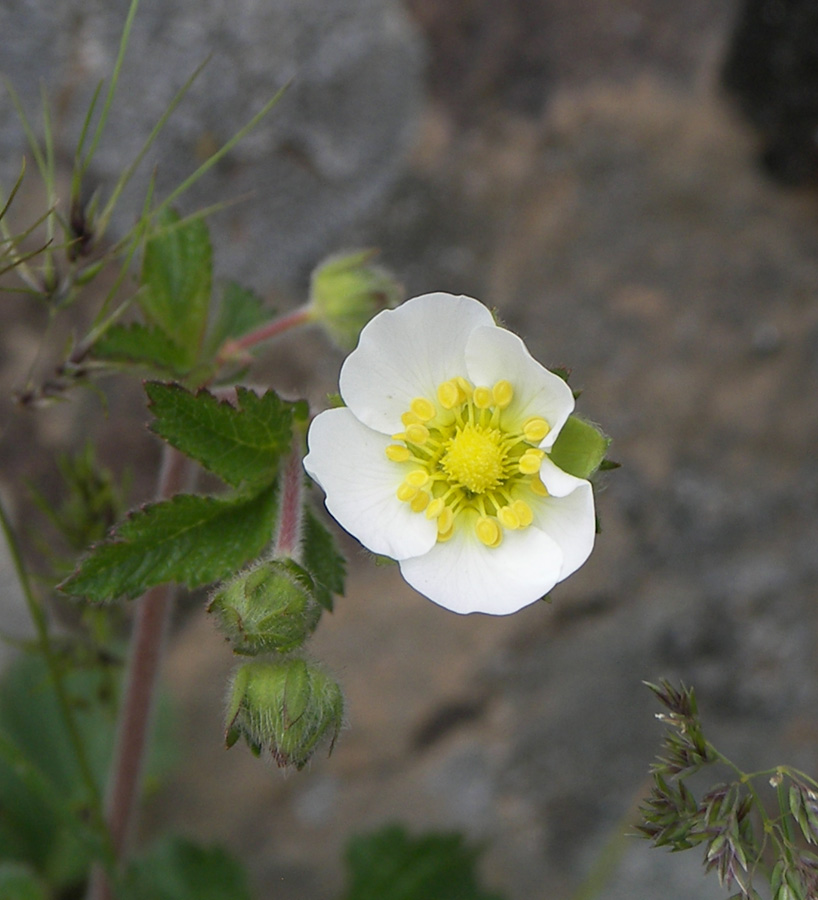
(233,348)
(135,716)
(288,538)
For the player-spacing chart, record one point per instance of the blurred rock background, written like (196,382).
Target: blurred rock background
(580,165)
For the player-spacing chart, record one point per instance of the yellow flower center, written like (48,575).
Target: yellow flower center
(466,464)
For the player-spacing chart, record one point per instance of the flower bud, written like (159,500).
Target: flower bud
(286,706)
(269,609)
(347,290)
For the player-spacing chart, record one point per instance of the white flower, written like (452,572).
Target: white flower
(440,458)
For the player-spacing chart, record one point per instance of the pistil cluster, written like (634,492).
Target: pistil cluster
(466,462)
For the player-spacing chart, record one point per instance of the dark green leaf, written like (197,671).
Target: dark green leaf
(142,345)
(177,869)
(176,281)
(391,865)
(580,448)
(322,560)
(241,444)
(189,539)
(240,311)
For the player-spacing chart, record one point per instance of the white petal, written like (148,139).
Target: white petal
(465,576)
(347,459)
(567,516)
(407,352)
(493,354)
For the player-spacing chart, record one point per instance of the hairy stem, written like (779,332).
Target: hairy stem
(236,347)
(136,712)
(288,538)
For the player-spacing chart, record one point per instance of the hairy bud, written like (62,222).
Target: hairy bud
(269,609)
(347,290)
(286,706)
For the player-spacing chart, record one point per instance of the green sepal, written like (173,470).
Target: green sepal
(580,448)
(176,282)
(241,444)
(190,539)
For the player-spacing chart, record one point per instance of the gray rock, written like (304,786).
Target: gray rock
(325,155)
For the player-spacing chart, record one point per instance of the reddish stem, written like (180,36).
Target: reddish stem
(233,348)
(288,539)
(135,716)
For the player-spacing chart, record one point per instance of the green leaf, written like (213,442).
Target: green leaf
(177,869)
(18,882)
(241,444)
(176,281)
(240,311)
(142,345)
(190,539)
(322,560)
(580,448)
(391,865)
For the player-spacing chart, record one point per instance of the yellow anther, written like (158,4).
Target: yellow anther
(508,518)
(535,429)
(410,418)
(538,487)
(445,521)
(397,453)
(424,409)
(523,512)
(530,461)
(418,478)
(489,531)
(465,388)
(420,501)
(482,397)
(417,434)
(502,393)
(448,395)
(444,536)
(435,508)
(406,492)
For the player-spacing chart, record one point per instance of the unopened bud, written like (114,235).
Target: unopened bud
(347,290)
(269,609)
(286,706)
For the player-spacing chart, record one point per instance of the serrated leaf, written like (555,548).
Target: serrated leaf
(176,282)
(177,869)
(240,310)
(241,444)
(322,560)
(579,448)
(189,539)
(143,345)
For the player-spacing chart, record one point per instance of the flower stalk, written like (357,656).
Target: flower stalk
(136,713)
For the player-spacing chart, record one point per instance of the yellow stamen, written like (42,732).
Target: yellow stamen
(418,477)
(448,394)
(398,453)
(482,398)
(419,502)
(508,518)
(535,429)
(406,492)
(530,461)
(538,487)
(489,531)
(523,512)
(465,388)
(435,508)
(445,521)
(410,418)
(424,409)
(502,393)
(417,434)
